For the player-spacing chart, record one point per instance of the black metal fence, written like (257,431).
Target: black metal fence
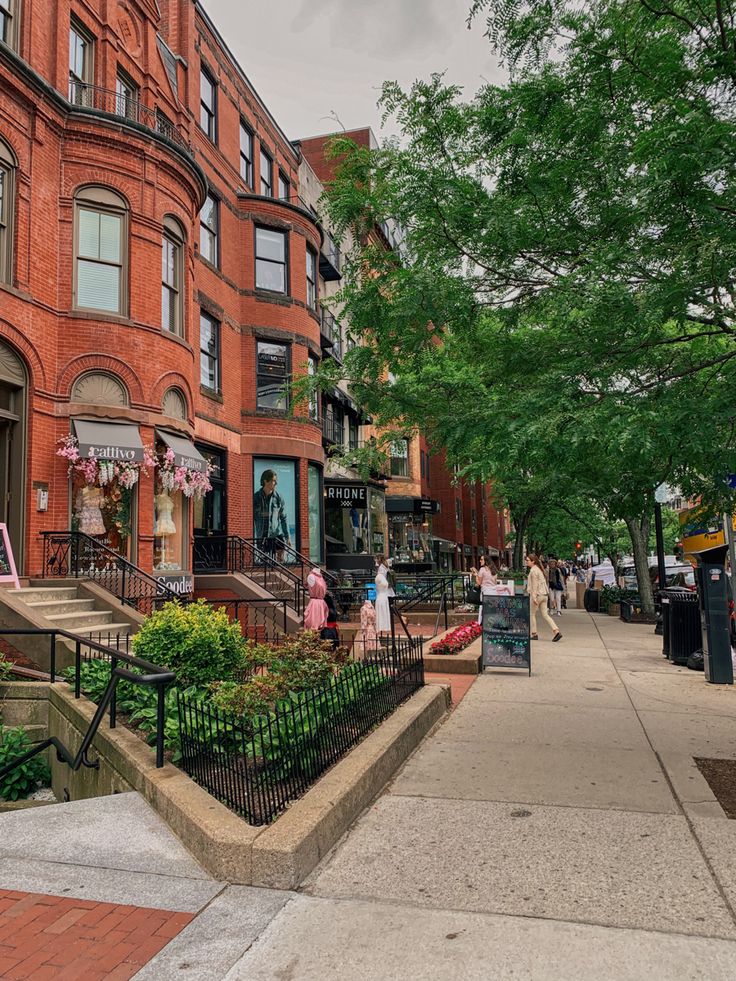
(257,765)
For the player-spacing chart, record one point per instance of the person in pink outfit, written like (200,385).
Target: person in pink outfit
(315,615)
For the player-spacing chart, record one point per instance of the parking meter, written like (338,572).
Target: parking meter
(714,615)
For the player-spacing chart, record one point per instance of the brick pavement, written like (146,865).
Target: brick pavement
(55,938)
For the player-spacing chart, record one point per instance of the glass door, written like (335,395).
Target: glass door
(210,517)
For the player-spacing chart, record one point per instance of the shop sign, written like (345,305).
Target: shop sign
(425,505)
(182,585)
(7,561)
(346,496)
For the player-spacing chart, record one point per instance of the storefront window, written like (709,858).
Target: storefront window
(409,537)
(355,519)
(106,513)
(377,517)
(170,513)
(314,484)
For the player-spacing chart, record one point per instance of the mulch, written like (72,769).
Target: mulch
(721,777)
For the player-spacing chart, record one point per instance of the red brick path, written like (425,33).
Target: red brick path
(52,938)
(459,683)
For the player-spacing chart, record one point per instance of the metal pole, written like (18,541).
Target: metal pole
(661,572)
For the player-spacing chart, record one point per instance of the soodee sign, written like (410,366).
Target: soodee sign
(346,496)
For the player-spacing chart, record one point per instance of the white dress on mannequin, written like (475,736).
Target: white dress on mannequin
(383,610)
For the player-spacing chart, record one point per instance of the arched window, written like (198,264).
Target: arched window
(174,403)
(172,277)
(8,165)
(100,251)
(99,388)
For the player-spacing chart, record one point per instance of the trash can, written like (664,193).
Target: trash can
(681,622)
(592,600)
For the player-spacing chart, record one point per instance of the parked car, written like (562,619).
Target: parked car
(679,574)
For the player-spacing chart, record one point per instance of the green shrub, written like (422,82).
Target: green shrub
(24,779)
(196,641)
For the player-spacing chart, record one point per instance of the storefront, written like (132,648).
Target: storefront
(276,505)
(110,467)
(355,524)
(444,553)
(410,532)
(210,515)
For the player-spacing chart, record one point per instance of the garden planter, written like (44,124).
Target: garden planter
(614,609)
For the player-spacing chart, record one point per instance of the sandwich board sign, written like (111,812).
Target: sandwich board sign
(506,635)
(7,562)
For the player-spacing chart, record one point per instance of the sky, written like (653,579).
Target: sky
(319,64)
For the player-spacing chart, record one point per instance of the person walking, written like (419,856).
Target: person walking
(536,587)
(556,587)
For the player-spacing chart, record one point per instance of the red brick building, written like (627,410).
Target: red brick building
(158,284)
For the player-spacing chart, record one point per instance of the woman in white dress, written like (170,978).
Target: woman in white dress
(383,608)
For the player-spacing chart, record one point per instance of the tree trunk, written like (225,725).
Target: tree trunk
(520,524)
(639,534)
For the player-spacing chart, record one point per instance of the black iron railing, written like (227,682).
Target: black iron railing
(332,334)
(120,664)
(256,559)
(258,765)
(125,108)
(262,620)
(74,554)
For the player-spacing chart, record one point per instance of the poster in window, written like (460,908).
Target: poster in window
(274,505)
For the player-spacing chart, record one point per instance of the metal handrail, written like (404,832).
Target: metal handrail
(160,677)
(63,551)
(86,96)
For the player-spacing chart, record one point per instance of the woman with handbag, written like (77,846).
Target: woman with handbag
(487,580)
(538,590)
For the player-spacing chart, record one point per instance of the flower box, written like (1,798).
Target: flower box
(458,639)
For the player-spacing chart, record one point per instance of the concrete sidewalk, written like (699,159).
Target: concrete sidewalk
(554,827)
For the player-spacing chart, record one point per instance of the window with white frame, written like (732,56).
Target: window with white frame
(266,174)
(172,269)
(209,221)
(126,96)
(273,369)
(100,252)
(271,260)
(209,352)
(284,186)
(311,278)
(81,64)
(246,153)
(400,458)
(7,211)
(9,22)
(208,104)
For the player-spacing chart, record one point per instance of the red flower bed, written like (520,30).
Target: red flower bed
(458,639)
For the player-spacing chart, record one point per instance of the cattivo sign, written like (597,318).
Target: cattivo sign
(190,462)
(125,453)
(346,496)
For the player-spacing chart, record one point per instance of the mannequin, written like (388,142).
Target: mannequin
(164,525)
(368,636)
(89,504)
(315,614)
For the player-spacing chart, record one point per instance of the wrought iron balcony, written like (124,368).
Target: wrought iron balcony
(128,109)
(331,335)
(330,259)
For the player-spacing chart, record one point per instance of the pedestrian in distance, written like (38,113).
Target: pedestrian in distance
(536,587)
(556,587)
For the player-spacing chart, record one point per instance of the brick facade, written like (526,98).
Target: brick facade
(161,163)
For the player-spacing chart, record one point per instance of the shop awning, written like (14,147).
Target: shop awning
(444,545)
(186,453)
(109,440)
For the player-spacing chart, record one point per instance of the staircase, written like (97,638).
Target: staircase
(66,607)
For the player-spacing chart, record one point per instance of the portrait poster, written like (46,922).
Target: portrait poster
(274,504)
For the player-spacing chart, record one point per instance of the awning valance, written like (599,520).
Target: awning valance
(185,452)
(119,441)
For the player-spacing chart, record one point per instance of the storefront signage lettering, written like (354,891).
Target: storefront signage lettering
(109,452)
(7,561)
(191,463)
(346,496)
(181,585)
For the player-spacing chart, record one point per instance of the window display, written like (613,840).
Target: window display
(182,472)
(274,504)
(314,485)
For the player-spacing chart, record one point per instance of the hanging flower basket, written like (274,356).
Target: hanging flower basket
(98,472)
(192,483)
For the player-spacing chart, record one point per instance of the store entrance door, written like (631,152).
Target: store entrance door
(210,517)
(12,448)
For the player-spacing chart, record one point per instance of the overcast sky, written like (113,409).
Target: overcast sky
(310,59)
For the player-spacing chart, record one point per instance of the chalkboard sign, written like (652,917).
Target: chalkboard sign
(506,636)
(7,562)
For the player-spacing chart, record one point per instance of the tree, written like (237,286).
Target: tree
(562,307)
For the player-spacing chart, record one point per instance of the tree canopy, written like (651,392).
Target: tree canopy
(560,313)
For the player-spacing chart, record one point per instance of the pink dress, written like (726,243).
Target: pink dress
(368,636)
(315,615)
